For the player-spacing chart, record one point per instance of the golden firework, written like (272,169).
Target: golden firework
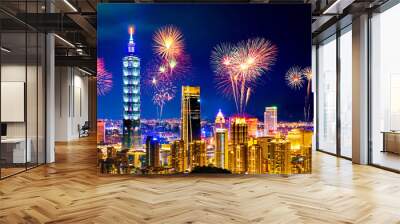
(168,42)
(294,77)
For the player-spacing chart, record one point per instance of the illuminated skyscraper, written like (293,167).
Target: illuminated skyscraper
(299,138)
(190,118)
(131,97)
(300,145)
(178,156)
(252,123)
(198,154)
(220,120)
(270,120)
(221,147)
(279,157)
(101,132)
(264,143)
(137,158)
(238,131)
(165,155)
(237,156)
(152,152)
(255,159)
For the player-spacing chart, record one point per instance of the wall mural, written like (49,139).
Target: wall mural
(204,88)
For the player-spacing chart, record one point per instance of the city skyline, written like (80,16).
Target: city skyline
(241,65)
(271,91)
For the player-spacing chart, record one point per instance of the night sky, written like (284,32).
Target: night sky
(203,26)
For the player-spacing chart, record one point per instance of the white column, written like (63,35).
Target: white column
(360,90)
(50,92)
(50,99)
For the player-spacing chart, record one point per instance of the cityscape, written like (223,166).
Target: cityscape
(201,139)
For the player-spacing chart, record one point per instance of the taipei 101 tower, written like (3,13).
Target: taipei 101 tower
(131,97)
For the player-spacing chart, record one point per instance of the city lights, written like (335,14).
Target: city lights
(228,142)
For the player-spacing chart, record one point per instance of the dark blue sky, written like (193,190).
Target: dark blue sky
(204,26)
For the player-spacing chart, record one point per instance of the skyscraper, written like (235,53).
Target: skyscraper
(221,147)
(255,159)
(264,143)
(131,97)
(190,119)
(299,138)
(152,152)
(237,156)
(221,141)
(177,156)
(279,156)
(101,132)
(198,154)
(252,123)
(270,120)
(238,130)
(300,145)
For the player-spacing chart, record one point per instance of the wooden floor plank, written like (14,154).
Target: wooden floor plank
(71,191)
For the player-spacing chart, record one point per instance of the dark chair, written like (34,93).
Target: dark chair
(84,130)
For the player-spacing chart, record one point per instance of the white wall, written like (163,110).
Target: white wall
(14,73)
(71,102)
(33,127)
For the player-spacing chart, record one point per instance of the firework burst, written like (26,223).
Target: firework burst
(168,42)
(163,93)
(239,67)
(294,77)
(254,57)
(222,58)
(160,84)
(222,63)
(169,65)
(104,78)
(307,72)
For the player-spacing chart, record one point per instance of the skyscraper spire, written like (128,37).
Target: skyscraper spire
(220,120)
(131,43)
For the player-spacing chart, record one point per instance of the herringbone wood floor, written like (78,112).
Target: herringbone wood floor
(70,191)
